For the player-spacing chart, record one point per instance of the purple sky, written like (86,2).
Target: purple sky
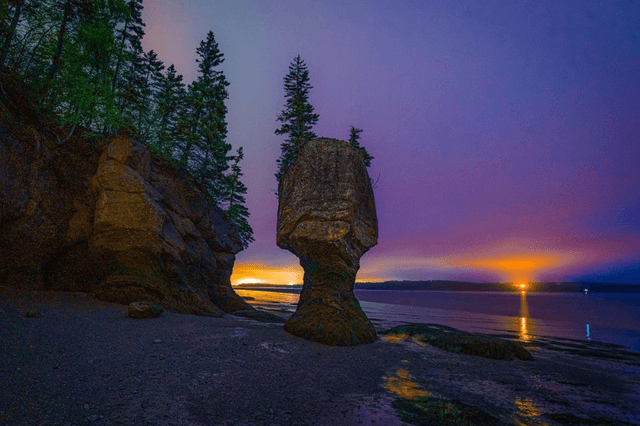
(505,134)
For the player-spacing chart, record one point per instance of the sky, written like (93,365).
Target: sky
(505,135)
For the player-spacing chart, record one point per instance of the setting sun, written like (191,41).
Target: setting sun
(244,273)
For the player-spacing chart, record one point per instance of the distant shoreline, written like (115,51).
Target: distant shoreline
(532,287)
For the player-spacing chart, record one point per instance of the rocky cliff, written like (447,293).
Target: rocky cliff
(327,217)
(108,218)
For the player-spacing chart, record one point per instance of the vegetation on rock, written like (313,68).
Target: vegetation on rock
(298,118)
(83,66)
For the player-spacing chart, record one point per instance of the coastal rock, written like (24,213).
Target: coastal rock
(103,216)
(144,309)
(458,341)
(327,217)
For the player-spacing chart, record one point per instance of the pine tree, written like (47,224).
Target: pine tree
(298,118)
(234,196)
(354,137)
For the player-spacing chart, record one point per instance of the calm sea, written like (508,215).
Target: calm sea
(603,317)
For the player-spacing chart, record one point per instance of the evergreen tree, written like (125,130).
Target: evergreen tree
(150,85)
(129,39)
(234,196)
(297,118)
(170,101)
(9,28)
(83,85)
(129,83)
(354,137)
(205,128)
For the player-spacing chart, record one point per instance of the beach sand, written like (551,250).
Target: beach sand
(68,359)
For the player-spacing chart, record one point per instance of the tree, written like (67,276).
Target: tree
(82,93)
(205,127)
(298,117)
(170,106)
(129,39)
(8,31)
(354,137)
(234,196)
(150,84)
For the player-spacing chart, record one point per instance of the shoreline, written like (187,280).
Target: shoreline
(83,361)
(386,312)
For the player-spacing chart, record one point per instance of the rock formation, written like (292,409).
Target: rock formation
(110,219)
(327,217)
(144,309)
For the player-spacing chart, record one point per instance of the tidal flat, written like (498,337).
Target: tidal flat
(69,359)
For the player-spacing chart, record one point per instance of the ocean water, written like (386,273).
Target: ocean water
(602,317)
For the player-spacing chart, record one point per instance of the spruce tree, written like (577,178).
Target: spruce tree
(170,99)
(354,137)
(234,196)
(150,85)
(8,28)
(129,38)
(298,117)
(205,127)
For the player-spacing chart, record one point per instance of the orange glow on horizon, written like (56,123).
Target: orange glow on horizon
(249,272)
(516,267)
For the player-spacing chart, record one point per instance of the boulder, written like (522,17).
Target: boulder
(327,217)
(144,309)
(458,341)
(104,216)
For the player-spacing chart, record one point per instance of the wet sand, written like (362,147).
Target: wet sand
(68,359)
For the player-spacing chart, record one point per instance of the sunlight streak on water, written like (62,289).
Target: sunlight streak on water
(524,316)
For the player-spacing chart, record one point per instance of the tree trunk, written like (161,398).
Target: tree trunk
(10,33)
(55,63)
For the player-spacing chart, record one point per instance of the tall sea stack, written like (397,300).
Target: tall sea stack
(327,217)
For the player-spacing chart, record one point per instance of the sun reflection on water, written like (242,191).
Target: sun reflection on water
(527,409)
(524,316)
(402,385)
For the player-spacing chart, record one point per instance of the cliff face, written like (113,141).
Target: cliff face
(109,219)
(327,217)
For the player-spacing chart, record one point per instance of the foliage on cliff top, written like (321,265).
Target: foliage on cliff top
(84,69)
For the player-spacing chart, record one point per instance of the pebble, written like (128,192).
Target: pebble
(157,341)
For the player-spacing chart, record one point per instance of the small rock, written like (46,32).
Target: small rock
(157,341)
(145,309)
(32,314)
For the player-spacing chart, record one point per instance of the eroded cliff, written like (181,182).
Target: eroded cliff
(327,217)
(108,218)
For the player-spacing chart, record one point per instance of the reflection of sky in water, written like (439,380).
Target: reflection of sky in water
(524,323)
(271,300)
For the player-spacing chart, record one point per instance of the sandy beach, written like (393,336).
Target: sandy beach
(68,359)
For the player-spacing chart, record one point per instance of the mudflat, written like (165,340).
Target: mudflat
(68,359)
